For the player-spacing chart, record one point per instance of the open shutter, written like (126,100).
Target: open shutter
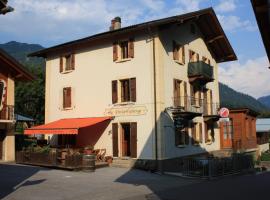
(133,89)
(193,133)
(190,56)
(68,97)
(61,64)
(72,61)
(183,55)
(133,139)
(175,93)
(175,51)
(115,52)
(205,132)
(200,132)
(185,95)
(131,48)
(211,102)
(186,136)
(115,139)
(114,92)
(197,57)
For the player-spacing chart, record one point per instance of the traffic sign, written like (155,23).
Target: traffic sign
(224,112)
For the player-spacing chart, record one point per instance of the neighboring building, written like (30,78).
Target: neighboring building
(10,71)
(262,12)
(239,133)
(158,80)
(263,134)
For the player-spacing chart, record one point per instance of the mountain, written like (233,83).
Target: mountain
(265,100)
(29,96)
(233,99)
(21,50)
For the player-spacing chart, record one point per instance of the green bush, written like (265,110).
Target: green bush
(265,157)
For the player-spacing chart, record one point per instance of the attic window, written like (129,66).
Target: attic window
(192,28)
(2,93)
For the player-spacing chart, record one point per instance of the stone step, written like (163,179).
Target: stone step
(124,163)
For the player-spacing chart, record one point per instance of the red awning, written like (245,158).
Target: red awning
(65,126)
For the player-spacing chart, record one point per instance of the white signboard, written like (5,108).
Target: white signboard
(126,111)
(225,119)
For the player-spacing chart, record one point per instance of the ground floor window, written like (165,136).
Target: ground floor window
(66,140)
(228,130)
(181,137)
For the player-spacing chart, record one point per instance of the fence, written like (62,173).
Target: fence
(214,167)
(51,159)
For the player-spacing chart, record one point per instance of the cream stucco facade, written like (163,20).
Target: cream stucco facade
(92,92)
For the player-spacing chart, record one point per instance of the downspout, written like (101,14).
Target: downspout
(155,101)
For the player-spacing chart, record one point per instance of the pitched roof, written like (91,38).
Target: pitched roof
(17,69)
(262,12)
(206,20)
(263,125)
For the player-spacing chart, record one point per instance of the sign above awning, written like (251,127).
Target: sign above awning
(65,126)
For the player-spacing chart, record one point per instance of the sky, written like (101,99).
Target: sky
(51,22)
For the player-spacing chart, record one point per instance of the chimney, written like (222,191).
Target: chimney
(115,23)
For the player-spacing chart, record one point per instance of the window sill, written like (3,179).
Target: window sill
(124,103)
(181,146)
(123,60)
(178,62)
(66,109)
(67,71)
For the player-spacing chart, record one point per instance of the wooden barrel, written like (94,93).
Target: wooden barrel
(88,163)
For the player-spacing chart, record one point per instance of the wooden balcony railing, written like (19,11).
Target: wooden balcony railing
(7,113)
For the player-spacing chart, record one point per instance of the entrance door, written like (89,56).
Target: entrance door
(129,139)
(126,140)
(227,134)
(2,137)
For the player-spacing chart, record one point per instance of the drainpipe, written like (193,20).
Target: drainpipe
(155,100)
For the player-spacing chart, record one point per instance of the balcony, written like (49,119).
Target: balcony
(7,114)
(186,107)
(210,111)
(200,72)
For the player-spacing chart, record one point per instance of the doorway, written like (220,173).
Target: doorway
(126,144)
(2,137)
(227,134)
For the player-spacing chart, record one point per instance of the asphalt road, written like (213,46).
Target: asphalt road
(18,182)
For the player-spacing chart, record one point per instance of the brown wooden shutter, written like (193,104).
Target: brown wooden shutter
(175,93)
(133,139)
(131,48)
(72,61)
(211,102)
(197,57)
(61,67)
(67,97)
(175,51)
(115,139)
(114,92)
(185,95)
(115,51)
(183,55)
(205,132)
(190,55)
(133,89)
(200,132)
(186,136)
(193,133)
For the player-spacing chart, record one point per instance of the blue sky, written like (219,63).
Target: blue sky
(51,22)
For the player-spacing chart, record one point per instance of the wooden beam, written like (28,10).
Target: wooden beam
(264,8)
(215,38)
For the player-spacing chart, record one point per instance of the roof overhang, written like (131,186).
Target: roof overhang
(17,70)
(262,12)
(206,20)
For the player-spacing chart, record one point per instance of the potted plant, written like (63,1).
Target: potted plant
(88,150)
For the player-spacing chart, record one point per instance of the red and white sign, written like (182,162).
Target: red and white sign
(224,112)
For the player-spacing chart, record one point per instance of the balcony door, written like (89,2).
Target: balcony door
(226,129)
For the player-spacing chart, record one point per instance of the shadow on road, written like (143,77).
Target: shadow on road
(14,176)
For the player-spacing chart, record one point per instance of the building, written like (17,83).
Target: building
(10,71)
(262,13)
(239,133)
(263,134)
(4,8)
(157,80)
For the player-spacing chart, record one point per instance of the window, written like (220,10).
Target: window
(2,93)
(66,140)
(181,137)
(179,53)
(67,103)
(123,50)
(127,88)
(209,132)
(228,130)
(67,63)
(196,133)
(180,93)
(193,56)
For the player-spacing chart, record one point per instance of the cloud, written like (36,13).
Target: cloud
(190,5)
(233,23)
(251,77)
(226,6)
